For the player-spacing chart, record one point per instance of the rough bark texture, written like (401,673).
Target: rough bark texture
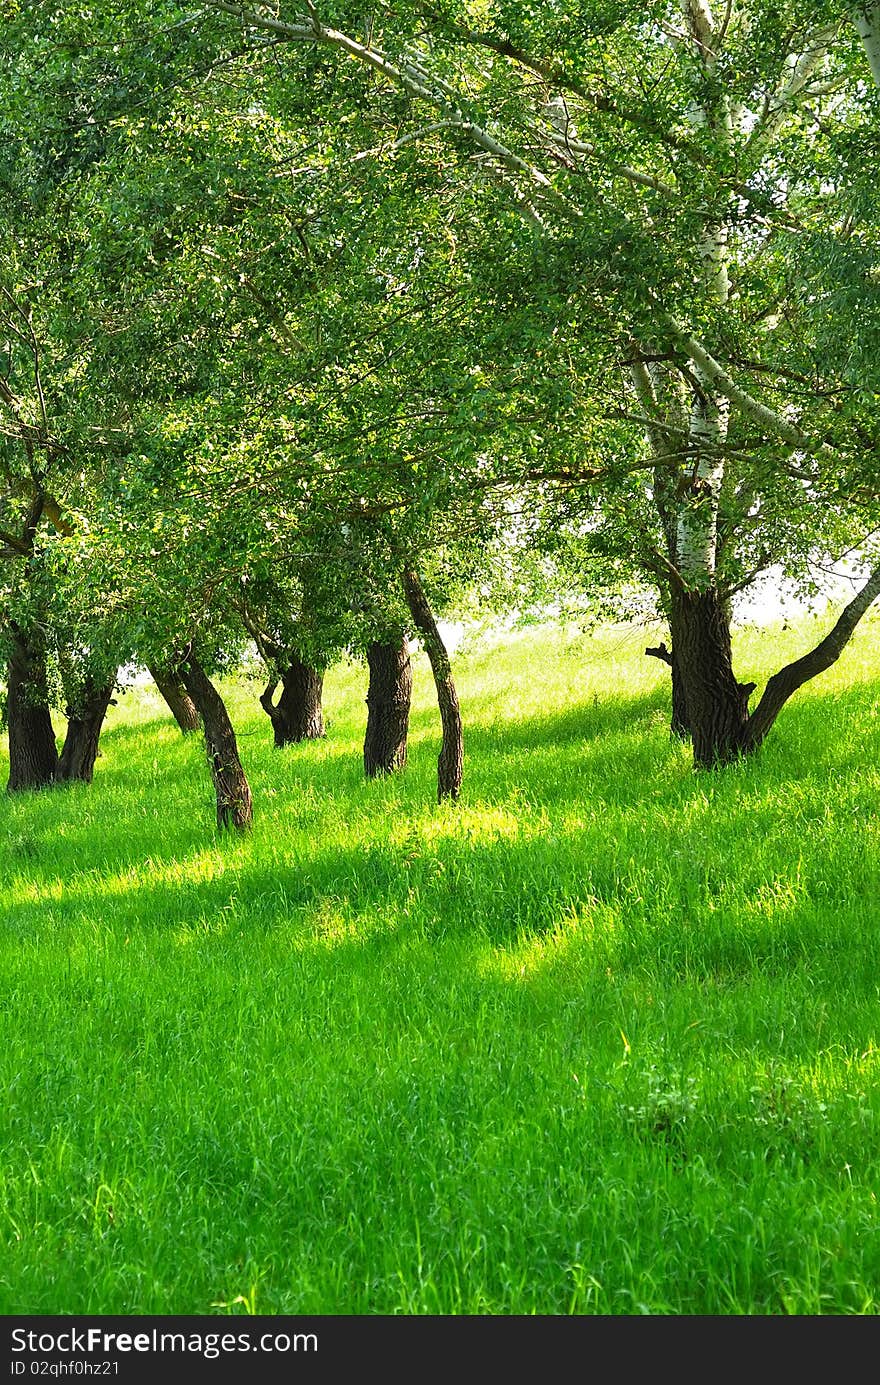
(84,722)
(233,793)
(717,705)
(180,704)
(451,759)
(297,715)
(680,725)
(388,701)
(33,753)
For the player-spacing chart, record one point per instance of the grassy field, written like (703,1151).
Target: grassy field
(603,1038)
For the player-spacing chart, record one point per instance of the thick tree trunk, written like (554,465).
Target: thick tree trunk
(451,759)
(84,722)
(297,715)
(388,701)
(717,705)
(234,801)
(33,753)
(180,703)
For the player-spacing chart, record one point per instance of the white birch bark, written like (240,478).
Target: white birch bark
(867,22)
(697,520)
(796,81)
(697,538)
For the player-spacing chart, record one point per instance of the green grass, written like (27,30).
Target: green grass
(603,1038)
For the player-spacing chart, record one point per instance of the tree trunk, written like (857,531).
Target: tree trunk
(451,758)
(297,715)
(84,722)
(33,753)
(867,20)
(180,703)
(234,801)
(680,725)
(717,705)
(388,700)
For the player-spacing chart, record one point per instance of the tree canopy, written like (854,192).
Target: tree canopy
(300,299)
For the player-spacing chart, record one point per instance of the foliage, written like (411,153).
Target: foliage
(556,302)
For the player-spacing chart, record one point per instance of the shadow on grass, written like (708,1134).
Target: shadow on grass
(395,932)
(634,897)
(580,724)
(163,807)
(708,875)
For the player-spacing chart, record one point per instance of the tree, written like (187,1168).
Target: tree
(729,161)
(266,507)
(451,758)
(235,807)
(278,622)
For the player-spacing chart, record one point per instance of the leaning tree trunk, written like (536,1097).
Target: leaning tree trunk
(297,715)
(786,682)
(451,758)
(180,704)
(33,753)
(233,793)
(84,722)
(388,701)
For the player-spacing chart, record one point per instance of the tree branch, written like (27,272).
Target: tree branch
(660,652)
(726,385)
(787,681)
(18,545)
(557,76)
(793,83)
(406,73)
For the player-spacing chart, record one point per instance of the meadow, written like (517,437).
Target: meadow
(602,1038)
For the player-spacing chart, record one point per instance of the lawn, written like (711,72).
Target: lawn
(600,1039)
